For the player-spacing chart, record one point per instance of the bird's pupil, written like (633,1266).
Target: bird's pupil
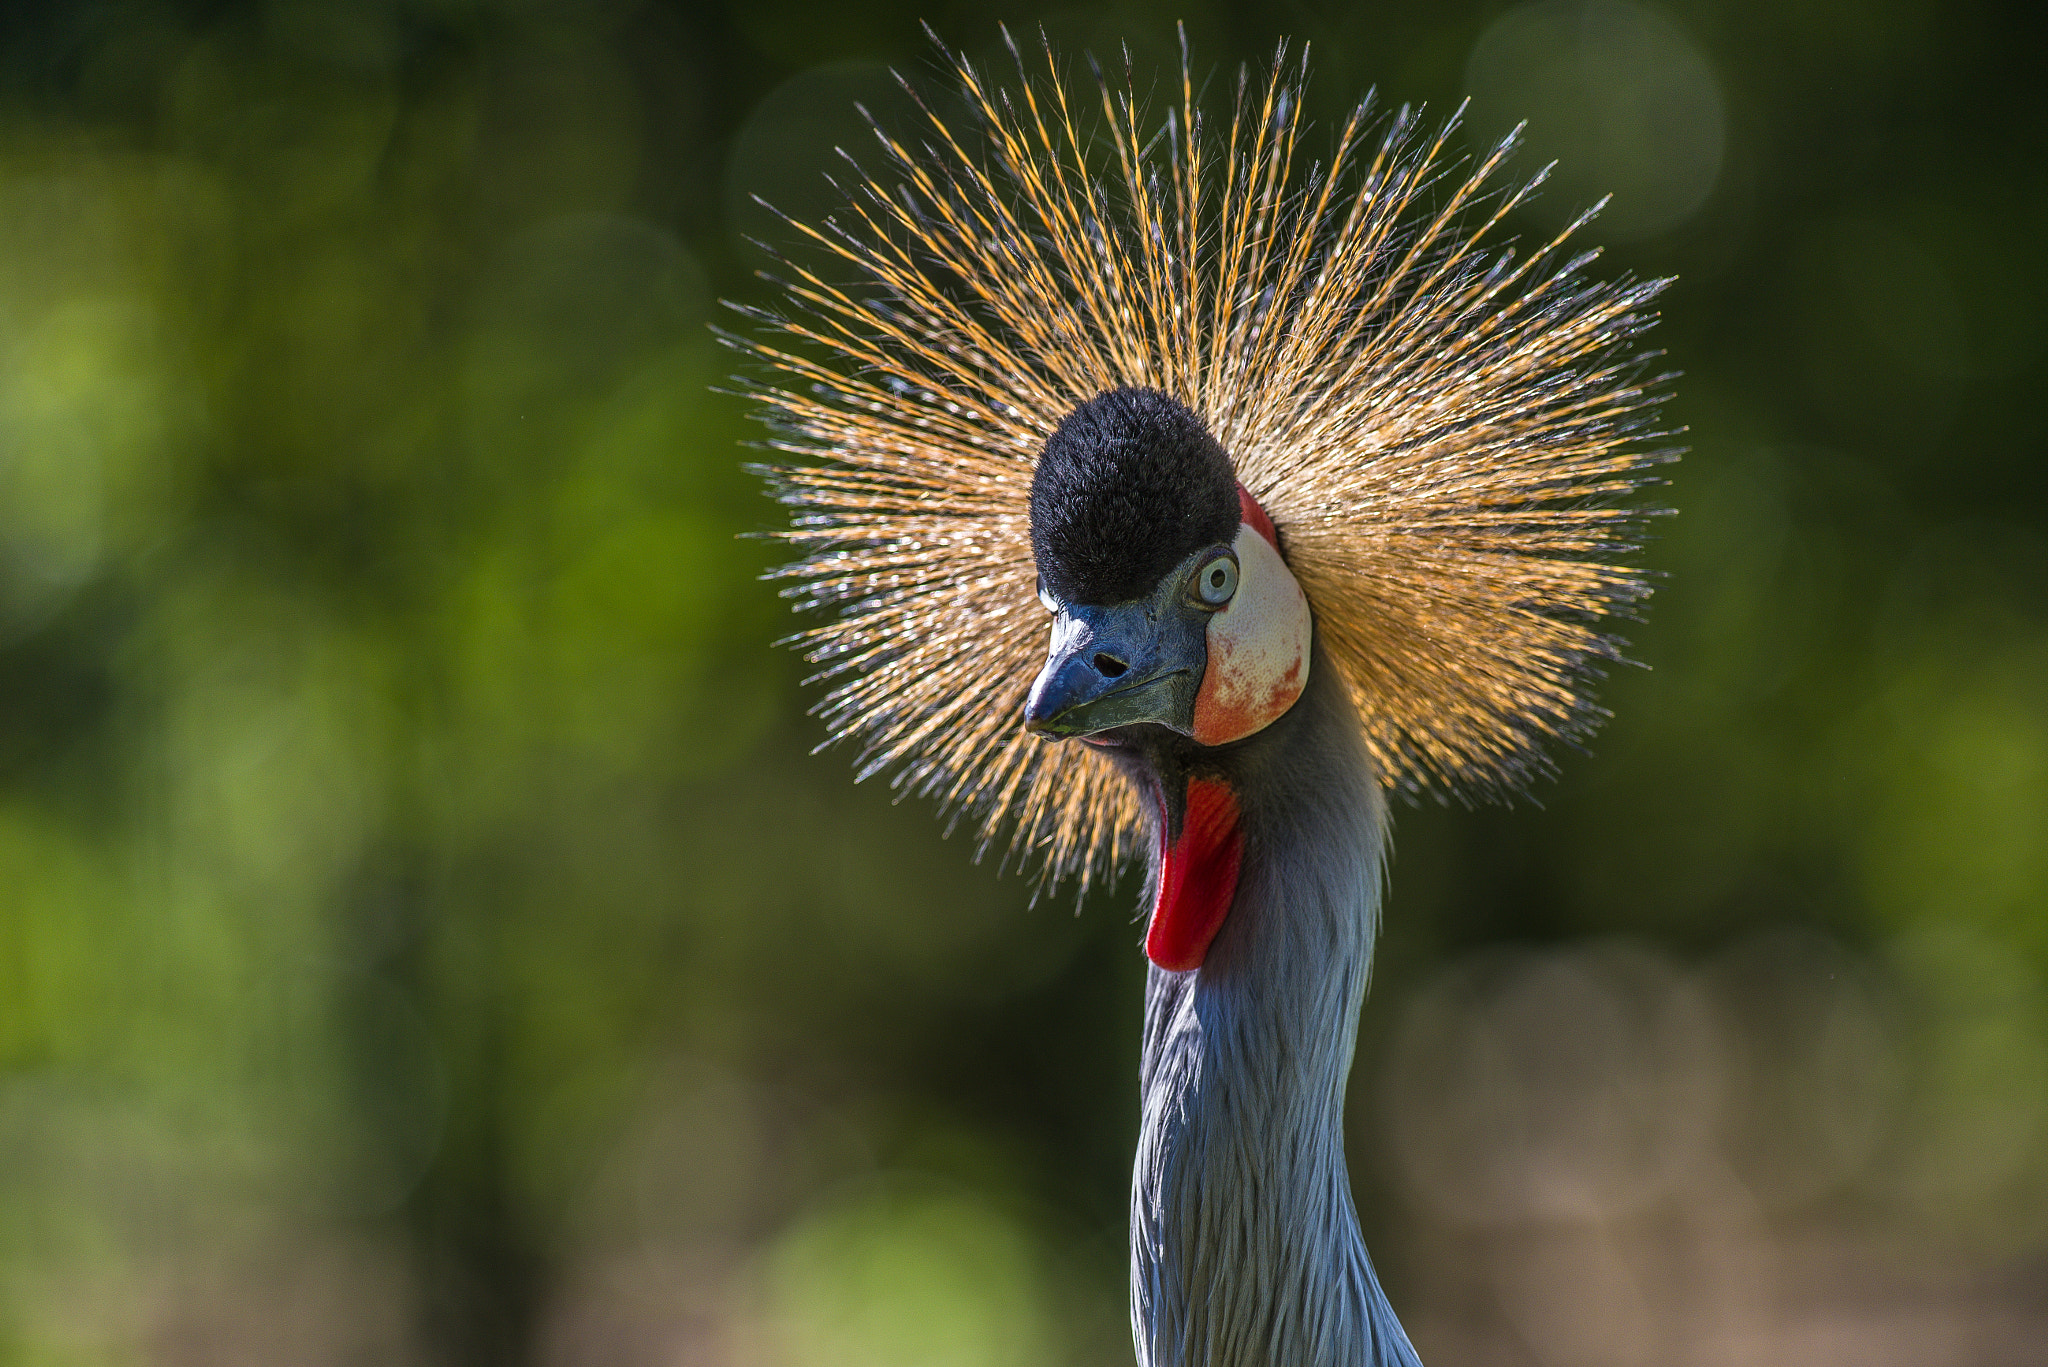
(1216,578)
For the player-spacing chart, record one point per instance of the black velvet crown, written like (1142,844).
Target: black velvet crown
(1131,483)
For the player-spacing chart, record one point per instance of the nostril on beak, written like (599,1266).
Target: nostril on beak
(1109,666)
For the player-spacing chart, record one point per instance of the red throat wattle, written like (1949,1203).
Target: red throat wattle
(1197,878)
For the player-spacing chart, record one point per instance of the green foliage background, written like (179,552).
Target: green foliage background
(424,934)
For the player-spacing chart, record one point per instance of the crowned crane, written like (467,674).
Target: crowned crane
(1320,493)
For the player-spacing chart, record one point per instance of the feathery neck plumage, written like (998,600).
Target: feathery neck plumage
(1245,1246)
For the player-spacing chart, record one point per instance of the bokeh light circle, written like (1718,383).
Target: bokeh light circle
(1619,95)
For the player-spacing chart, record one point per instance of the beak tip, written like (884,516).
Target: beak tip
(1044,724)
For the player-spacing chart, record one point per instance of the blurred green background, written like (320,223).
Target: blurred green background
(426,938)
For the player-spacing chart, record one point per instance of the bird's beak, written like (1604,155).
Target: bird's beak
(1122,665)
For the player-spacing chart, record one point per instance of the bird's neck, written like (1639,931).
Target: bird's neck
(1245,1246)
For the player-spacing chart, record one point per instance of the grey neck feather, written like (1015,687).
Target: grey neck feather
(1245,1247)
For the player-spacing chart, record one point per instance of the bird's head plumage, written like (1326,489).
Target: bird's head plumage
(1198,400)
(1171,605)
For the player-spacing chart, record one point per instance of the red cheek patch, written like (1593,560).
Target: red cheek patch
(1258,645)
(1255,517)
(1197,878)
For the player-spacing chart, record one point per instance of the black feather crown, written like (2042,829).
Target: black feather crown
(1129,483)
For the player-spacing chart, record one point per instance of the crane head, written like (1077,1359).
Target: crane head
(1444,429)
(1177,629)
(1172,606)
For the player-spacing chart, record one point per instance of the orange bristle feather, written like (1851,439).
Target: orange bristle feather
(1441,432)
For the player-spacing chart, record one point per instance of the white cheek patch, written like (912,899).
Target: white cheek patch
(1258,647)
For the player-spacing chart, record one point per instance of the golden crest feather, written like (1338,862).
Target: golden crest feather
(1441,431)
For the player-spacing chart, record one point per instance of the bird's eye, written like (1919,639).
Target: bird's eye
(1216,581)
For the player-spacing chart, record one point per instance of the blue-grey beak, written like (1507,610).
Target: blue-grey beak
(1120,666)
